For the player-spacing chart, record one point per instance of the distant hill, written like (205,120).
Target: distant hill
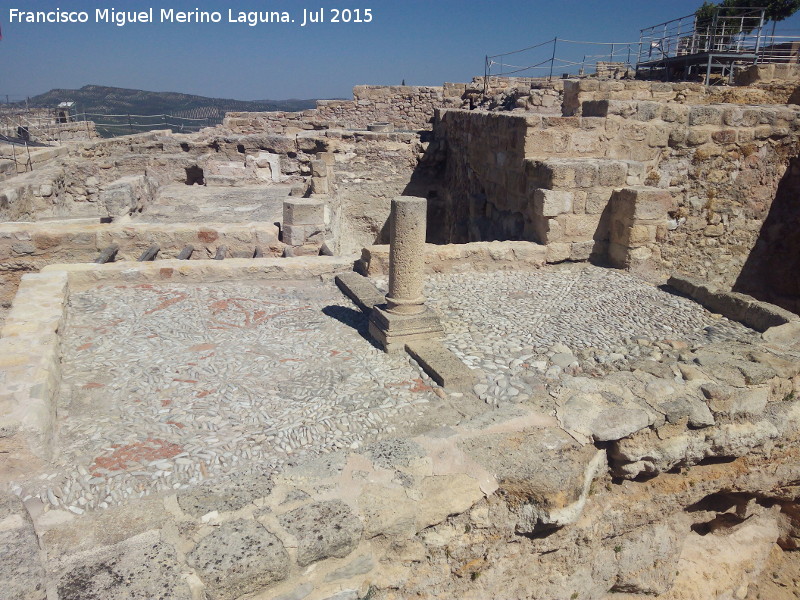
(113,100)
(186,112)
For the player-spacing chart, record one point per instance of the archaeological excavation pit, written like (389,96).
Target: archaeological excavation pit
(627,412)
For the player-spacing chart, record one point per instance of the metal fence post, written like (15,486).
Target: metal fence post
(553,60)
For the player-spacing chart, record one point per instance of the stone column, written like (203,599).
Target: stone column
(407,256)
(405,318)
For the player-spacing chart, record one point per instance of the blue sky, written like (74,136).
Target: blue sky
(424,42)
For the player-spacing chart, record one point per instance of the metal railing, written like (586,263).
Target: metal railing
(741,35)
(40,125)
(745,34)
(28,126)
(559,56)
(109,125)
(22,159)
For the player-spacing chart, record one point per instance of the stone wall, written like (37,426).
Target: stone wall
(578,91)
(84,130)
(483,196)
(405,107)
(513,176)
(769,73)
(43,126)
(368,170)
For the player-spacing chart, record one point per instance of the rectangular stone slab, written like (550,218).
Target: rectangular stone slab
(443,366)
(360,290)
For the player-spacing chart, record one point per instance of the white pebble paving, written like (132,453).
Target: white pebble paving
(165,386)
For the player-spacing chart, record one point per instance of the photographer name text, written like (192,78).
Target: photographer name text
(123,18)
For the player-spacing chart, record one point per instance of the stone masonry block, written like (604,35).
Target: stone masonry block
(675,113)
(595,108)
(637,203)
(558,252)
(586,173)
(618,256)
(320,185)
(612,173)
(580,251)
(299,235)
(705,115)
(597,200)
(551,203)
(647,111)
(640,235)
(303,211)
(294,235)
(549,231)
(319,168)
(579,227)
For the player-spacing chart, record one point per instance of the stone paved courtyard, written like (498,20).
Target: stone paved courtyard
(523,328)
(167,385)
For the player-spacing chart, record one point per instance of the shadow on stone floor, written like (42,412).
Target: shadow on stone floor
(355,319)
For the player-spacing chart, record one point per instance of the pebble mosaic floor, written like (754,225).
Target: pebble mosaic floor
(516,326)
(577,305)
(167,385)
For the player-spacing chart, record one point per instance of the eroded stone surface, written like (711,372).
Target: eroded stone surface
(544,473)
(142,568)
(323,530)
(21,568)
(239,557)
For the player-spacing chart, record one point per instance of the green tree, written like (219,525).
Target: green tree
(776,10)
(705,15)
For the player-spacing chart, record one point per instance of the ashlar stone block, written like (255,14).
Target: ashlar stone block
(303,211)
(551,203)
(641,203)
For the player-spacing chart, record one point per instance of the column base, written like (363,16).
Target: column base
(393,332)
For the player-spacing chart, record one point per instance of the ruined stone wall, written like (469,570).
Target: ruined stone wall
(368,170)
(769,73)
(723,165)
(578,91)
(405,107)
(483,196)
(552,179)
(42,125)
(532,94)
(84,130)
